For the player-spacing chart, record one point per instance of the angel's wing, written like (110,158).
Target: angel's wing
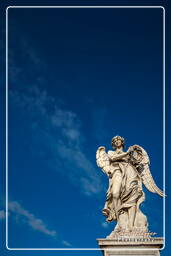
(102,160)
(141,161)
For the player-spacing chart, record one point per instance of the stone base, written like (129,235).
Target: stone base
(127,247)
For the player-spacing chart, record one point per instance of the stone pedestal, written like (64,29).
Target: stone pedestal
(135,247)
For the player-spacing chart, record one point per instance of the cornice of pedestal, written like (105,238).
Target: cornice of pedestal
(151,242)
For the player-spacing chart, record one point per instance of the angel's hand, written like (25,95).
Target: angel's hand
(130,150)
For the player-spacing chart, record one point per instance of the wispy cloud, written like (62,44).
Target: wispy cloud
(25,216)
(22,216)
(61,135)
(66,243)
(60,128)
(2,214)
(28,56)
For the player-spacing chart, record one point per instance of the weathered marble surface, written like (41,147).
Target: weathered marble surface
(136,247)
(127,172)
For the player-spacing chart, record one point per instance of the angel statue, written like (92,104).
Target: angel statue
(126,171)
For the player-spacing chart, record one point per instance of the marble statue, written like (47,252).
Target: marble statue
(127,171)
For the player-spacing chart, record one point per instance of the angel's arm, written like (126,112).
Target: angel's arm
(115,157)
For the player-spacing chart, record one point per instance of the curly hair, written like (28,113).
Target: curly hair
(116,138)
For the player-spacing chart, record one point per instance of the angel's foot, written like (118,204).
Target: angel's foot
(127,230)
(131,228)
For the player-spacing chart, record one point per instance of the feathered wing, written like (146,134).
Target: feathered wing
(144,170)
(102,160)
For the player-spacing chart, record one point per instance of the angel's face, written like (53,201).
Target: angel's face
(118,143)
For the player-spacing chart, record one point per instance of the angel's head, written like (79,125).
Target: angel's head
(118,142)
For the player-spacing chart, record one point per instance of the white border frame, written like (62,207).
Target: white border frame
(164,121)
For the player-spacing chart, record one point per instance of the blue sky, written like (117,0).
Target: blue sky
(78,77)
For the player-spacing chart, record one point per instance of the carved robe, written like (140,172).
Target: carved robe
(130,194)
